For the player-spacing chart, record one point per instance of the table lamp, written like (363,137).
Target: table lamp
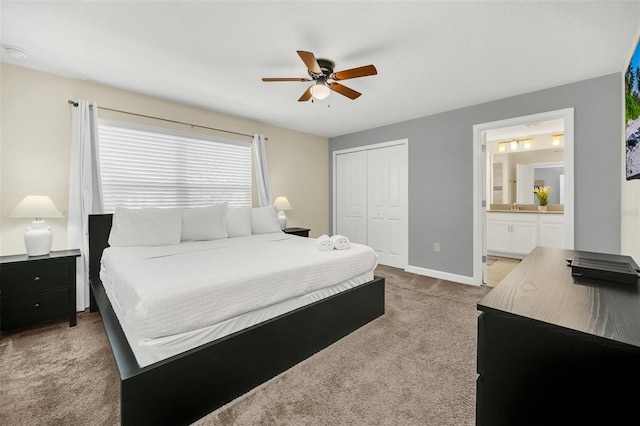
(38,237)
(282,204)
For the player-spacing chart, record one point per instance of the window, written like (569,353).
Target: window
(154,167)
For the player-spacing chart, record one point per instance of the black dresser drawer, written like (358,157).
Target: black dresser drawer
(31,309)
(34,277)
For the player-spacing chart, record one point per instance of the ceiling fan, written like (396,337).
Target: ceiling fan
(326,80)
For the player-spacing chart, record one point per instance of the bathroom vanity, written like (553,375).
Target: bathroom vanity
(515,233)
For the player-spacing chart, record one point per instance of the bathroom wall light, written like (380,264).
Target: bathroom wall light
(502,146)
(555,139)
(514,145)
(527,144)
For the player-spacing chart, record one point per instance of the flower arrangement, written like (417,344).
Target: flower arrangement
(542,192)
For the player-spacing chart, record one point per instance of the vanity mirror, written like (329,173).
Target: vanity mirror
(517,165)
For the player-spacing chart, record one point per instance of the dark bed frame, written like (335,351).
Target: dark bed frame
(190,385)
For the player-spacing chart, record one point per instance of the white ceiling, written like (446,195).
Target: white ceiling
(431,56)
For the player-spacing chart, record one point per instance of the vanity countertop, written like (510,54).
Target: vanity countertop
(525,211)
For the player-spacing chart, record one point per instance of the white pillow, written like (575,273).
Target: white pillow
(145,227)
(264,220)
(204,223)
(239,222)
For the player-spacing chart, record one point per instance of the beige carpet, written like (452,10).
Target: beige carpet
(413,366)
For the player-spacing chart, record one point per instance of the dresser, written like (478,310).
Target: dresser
(557,350)
(37,289)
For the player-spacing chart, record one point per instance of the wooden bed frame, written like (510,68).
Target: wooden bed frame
(190,385)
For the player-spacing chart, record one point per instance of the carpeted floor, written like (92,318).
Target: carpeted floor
(413,366)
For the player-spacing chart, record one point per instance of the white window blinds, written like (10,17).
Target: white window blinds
(153,167)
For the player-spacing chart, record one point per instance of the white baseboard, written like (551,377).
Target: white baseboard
(462,279)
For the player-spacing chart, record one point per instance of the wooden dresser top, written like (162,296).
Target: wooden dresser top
(541,288)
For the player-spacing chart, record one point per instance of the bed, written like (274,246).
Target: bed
(181,384)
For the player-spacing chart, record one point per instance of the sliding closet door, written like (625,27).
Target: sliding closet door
(386,204)
(351,196)
(371,200)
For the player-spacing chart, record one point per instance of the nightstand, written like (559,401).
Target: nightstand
(37,288)
(301,232)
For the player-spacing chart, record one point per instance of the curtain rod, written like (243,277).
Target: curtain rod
(75,104)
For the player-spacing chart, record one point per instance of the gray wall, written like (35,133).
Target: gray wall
(441,169)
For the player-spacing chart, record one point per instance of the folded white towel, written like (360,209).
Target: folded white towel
(340,242)
(324,243)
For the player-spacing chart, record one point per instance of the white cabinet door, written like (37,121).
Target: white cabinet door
(524,237)
(511,234)
(552,231)
(351,197)
(498,236)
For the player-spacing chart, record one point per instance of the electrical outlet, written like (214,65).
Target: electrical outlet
(436,247)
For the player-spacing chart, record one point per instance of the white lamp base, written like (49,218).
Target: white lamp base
(282,220)
(38,238)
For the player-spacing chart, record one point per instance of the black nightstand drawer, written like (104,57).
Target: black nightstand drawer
(37,288)
(22,311)
(301,232)
(33,277)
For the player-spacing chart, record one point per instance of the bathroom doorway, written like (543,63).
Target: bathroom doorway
(508,143)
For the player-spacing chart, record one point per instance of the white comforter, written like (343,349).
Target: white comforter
(167,290)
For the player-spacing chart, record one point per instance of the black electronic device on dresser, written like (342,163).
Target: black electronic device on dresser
(558,349)
(301,232)
(37,289)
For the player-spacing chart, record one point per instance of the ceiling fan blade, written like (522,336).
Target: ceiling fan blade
(306,95)
(286,79)
(310,61)
(343,90)
(355,73)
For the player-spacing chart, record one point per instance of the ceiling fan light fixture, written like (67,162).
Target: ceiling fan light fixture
(325,80)
(320,91)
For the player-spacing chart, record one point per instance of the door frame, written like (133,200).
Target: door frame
(479,178)
(405,214)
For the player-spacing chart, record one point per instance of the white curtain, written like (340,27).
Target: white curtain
(262,172)
(85,190)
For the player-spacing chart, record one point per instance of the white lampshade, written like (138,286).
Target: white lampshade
(320,91)
(36,207)
(38,237)
(282,204)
